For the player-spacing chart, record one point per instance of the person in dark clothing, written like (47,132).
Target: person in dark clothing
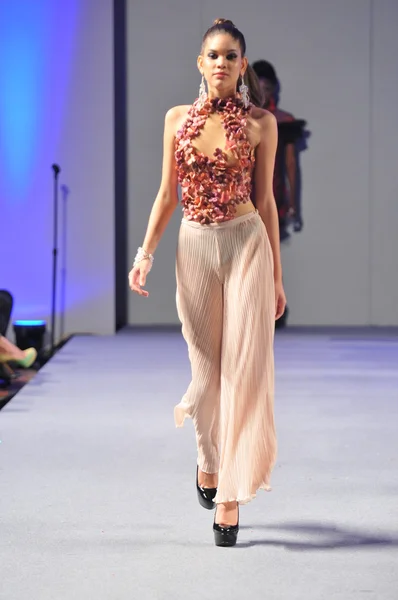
(285,173)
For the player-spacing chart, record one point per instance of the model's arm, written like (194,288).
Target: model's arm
(263,177)
(265,200)
(167,197)
(164,205)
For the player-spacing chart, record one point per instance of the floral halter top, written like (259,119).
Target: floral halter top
(212,187)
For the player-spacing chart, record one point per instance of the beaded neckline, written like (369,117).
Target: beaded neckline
(225,104)
(233,115)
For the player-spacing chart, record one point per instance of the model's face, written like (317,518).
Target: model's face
(222,64)
(268,90)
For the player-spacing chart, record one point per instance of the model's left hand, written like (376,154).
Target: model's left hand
(280,299)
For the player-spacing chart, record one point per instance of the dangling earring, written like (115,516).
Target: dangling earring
(202,91)
(244,92)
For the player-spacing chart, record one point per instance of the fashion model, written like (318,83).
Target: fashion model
(286,154)
(221,151)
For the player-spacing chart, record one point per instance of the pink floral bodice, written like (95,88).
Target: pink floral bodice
(213,187)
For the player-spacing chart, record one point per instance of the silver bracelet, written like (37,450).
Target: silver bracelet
(143,255)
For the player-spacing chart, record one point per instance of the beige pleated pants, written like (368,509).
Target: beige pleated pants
(226,304)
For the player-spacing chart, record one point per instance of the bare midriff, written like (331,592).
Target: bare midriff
(243,209)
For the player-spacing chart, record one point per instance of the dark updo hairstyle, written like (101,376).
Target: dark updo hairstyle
(250,77)
(264,70)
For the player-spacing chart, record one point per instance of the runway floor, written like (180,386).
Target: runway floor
(97,496)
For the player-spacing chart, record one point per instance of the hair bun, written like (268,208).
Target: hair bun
(224,22)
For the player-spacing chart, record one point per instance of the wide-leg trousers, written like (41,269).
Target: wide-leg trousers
(226,304)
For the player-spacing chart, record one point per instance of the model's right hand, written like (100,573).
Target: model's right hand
(137,277)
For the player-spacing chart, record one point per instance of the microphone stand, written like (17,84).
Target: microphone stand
(56,169)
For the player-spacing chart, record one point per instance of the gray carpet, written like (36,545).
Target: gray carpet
(97,496)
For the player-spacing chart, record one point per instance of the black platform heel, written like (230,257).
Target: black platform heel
(226,536)
(205,495)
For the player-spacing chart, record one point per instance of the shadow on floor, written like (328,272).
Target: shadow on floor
(325,537)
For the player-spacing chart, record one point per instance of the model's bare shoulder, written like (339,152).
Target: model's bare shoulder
(261,120)
(268,122)
(257,113)
(176,116)
(263,116)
